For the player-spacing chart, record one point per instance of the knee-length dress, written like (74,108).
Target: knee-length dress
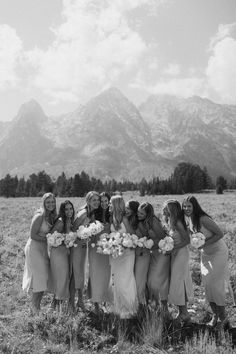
(36,269)
(59,272)
(123,282)
(214,269)
(181,288)
(99,289)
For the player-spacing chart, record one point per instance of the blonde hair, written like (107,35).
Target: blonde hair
(118,205)
(88,198)
(175,213)
(42,210)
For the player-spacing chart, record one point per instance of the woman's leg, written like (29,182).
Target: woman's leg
(36,300)
(214,319)
(80,301)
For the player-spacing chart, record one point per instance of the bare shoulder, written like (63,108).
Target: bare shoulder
(37,218)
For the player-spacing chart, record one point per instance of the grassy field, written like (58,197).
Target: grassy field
(53,332)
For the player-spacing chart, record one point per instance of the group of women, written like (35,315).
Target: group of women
(137,276)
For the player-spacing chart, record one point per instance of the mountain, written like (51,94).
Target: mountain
(195,130)
(109,137)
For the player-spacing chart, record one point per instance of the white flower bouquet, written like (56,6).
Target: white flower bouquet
(55,239)
(70,239)
(85,232)
(166,244)
(144,242)
(197,239)
(114,244)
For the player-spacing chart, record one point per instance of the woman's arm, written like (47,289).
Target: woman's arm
(210,225)
(58,226)
(185,239)
(35,229)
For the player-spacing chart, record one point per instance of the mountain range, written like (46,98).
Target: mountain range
(109,137)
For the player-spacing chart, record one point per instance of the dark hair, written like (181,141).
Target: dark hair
(62,213)
(99,213)
(197,211)
(133,218)
(149,210)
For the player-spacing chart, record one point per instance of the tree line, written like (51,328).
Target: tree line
(186,178)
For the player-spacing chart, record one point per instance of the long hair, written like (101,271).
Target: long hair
(149,210)
(118,213)
(62,213)
(100,214)
(52,215)
(88,197)
(133,218)
(175,212)
(197,211)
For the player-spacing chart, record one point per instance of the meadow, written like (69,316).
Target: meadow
(58,332)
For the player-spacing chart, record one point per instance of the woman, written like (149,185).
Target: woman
(36,271)
(99,266)
(181,289)
(214,257)
(153,270)
(59,256)
(122,267)
(142,256)
(78,254)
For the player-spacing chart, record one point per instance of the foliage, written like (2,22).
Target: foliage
(187,178)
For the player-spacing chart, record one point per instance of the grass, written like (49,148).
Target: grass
(57,332)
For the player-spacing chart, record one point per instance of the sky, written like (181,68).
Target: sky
(63,52)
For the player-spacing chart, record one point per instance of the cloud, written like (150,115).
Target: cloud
(172,69)
(185,87)
(221,69)
(10,54)
(94,47)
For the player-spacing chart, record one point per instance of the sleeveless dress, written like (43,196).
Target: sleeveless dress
(36,270)
(141,267)
(59,272)
(99,289)
(78,260)
(181,288)
(123,281)
(214,269)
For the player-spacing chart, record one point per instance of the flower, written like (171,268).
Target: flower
(166,244)
(197,239)
(70,239)
(55,239)
(85,232)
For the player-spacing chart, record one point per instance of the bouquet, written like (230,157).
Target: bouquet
(197,239)
(55,239)
(85,232)
(114,244)
(144,242)
(166,244)
(70,239)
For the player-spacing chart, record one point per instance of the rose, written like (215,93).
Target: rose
(166,244)
(197,239)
